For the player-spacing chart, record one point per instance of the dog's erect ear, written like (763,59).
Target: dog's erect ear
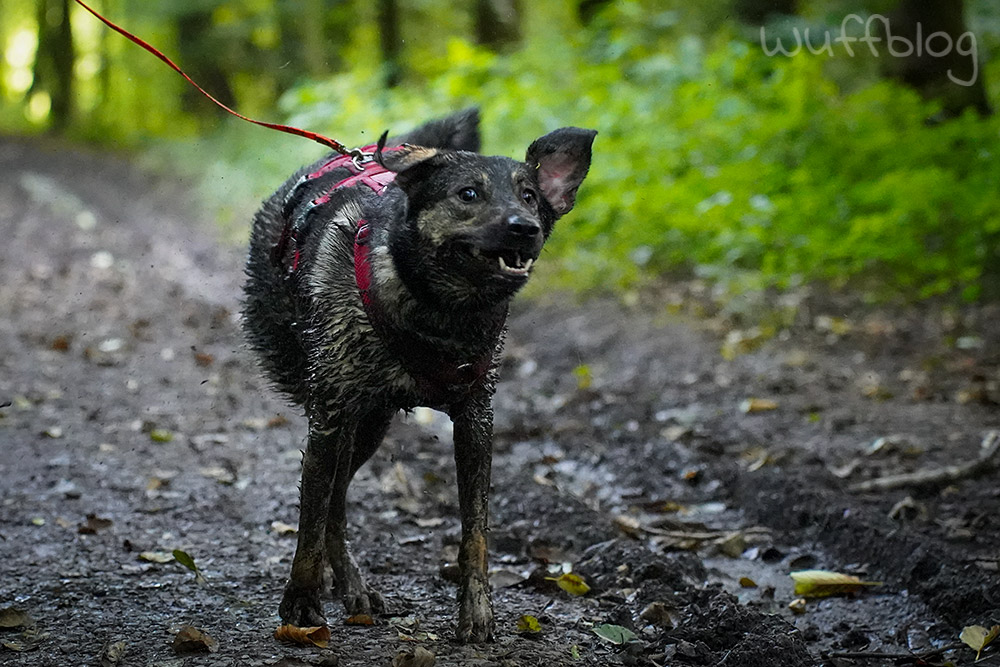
(562,159)
(459,131)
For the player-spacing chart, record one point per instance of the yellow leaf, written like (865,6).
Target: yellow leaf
(823,583)
(528,624)
(978,637)
(317,636)
(752,405)
(747,582)
(360,619)
(571,583)
(798,606)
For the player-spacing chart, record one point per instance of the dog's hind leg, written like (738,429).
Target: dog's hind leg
(300,604)
(357,595)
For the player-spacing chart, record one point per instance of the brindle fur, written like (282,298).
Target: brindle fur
(316,343)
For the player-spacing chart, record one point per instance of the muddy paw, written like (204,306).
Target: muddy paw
(301,608)
(475,614)
(363,601)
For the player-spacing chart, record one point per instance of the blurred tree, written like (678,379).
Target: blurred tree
(935,64)
(389,38)
(497,23)
(53,70)
(199,50)
(758,12)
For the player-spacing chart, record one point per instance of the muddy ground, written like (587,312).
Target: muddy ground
(624,447)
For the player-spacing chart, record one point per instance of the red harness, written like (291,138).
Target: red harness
(437,375)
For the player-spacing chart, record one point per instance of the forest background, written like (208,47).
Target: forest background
(854,166)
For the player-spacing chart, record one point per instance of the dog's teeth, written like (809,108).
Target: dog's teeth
(527,265)
(503,264)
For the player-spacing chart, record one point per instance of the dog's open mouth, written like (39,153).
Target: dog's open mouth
(511,262)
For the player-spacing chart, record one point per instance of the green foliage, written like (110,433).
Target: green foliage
(712,159)
(715,159)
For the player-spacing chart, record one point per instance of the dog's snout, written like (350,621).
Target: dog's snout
(522,226)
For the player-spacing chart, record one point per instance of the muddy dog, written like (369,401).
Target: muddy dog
(379,282)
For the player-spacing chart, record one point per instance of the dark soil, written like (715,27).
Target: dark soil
(128,397)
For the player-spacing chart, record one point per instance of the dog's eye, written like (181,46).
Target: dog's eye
(528,197)
(468,194)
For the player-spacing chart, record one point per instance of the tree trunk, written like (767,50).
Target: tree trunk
(389,38)
(951,72)
(53,70)
(758,12)
(199,57)
(497,23)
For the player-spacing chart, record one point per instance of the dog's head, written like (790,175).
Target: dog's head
(476,224)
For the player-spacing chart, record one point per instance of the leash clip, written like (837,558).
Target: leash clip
(359,158)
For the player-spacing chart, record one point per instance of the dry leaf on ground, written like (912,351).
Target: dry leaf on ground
(528,624)
(12,617)
(824,583)
(192,640)
(316,636)
(978,637)
(360,619)
(417,657)
(571,583)
(752,405)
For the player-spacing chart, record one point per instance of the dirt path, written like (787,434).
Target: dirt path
(621,448)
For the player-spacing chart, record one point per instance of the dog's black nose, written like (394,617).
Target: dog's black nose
(523,226)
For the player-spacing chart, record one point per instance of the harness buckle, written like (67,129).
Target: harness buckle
(359,157)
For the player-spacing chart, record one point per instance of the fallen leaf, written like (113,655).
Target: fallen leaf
(192,640)
(506,578)
(112,653)
(276,421)
(528,624)
(752,405)
(571,583)
(187,561)
(628,525)
(316,636)
(417,657)
(60,344)
(282,528)
(660,614)
(614,634)
(161,435)
(156,557)
(747,582)
(203,359)
(93,524)
(823,583)
(798,606)
(431,522)
(360,619)
(12,617)
(978,637)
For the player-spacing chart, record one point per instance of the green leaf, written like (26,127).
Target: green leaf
(614,634)
(185,559)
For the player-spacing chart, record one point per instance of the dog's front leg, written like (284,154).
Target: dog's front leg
(473,456)
(301,603)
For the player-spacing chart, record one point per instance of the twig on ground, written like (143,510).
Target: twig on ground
(987,462)
(876,655)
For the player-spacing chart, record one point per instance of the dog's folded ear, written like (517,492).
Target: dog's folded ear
(404,157)
(561,159)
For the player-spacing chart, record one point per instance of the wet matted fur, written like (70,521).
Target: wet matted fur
(411,311)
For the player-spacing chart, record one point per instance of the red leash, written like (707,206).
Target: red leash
(319,138)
